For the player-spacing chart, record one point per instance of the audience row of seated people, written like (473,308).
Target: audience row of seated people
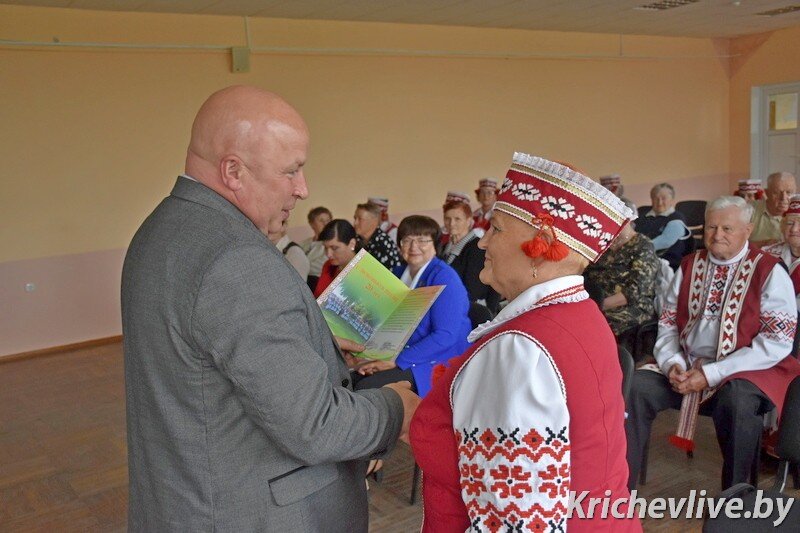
(734,366)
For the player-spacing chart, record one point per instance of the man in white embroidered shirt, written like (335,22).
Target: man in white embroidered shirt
(724,339)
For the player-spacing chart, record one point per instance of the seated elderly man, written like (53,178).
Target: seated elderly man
(724,338)
(769,210)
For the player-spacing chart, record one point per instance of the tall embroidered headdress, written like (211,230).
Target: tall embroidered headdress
(578,212)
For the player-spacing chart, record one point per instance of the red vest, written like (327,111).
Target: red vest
(740,320)
(795,275)
(583,348)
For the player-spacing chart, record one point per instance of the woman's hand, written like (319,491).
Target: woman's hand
(369,368)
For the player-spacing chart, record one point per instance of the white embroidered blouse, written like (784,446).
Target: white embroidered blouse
(510,390)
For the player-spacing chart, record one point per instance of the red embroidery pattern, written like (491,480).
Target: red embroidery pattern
(668,317)
(778,326)
(698,274)
(718,282)
(535,518)
(515,481)
(733,306)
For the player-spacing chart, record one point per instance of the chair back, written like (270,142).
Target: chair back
(788,447)
(694,211)
(626,364)
(642,210)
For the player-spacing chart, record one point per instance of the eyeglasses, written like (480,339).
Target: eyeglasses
(406,242)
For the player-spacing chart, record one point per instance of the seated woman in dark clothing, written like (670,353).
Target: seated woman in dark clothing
(666,227)
(442,332)
(339,240)
(462,253)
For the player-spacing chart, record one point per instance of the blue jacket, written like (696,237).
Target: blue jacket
(442,332)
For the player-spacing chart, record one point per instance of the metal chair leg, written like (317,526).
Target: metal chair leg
(643,466)
(756,465)
(414,483)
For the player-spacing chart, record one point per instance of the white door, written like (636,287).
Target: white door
(776,131)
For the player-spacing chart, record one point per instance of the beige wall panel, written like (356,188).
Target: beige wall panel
(93,137)
(762,60)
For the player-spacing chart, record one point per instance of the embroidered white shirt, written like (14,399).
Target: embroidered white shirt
(772,343)
(782,251)
(510,412)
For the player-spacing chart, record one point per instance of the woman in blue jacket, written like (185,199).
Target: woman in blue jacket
(443,331)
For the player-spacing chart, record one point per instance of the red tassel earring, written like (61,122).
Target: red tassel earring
(536,247)
(556,252)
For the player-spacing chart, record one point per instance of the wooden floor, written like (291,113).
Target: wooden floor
(63,459)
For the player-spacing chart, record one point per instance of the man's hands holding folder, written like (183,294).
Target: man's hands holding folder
(402,388)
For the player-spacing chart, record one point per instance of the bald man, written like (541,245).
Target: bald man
(241,415)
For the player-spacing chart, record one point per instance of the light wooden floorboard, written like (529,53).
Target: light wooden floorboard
(63,453)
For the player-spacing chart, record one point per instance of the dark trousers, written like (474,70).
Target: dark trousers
(737,409)
(384,377)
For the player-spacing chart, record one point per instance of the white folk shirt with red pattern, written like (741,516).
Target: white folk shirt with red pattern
(775,326)
(782,251)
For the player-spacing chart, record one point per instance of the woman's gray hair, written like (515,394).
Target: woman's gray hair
(723,202)
(660,186)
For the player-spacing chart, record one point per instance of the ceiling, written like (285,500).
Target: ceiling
(697,18)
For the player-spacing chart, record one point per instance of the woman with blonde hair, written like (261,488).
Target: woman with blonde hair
(534,409)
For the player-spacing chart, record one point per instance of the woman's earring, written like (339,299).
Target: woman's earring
(534,272)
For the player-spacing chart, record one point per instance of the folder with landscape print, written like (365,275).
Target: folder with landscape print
(368,304)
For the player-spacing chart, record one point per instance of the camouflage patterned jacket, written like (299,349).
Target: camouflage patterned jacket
(630,270)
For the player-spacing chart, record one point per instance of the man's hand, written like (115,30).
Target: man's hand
(676,376)
(348,346)
(369,368)
(694,381)
(410,403)
(351,361)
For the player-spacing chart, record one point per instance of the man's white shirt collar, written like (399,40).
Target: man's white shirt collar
(735,259)
(666,213)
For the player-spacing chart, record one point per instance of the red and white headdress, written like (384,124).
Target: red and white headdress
(383,203)
(456,196)
(794,206)
(583,215)
(489,183)
(749,186)
(611,182)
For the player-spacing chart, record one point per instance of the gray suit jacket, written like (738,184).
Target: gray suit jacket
(240,410)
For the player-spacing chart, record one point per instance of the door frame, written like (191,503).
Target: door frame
(759,124)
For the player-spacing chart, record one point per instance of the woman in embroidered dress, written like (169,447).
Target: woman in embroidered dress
(339,240)
(788,251)
(534,409)
(461,252)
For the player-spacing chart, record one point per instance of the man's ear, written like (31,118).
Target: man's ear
(230,168)
(749,228)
